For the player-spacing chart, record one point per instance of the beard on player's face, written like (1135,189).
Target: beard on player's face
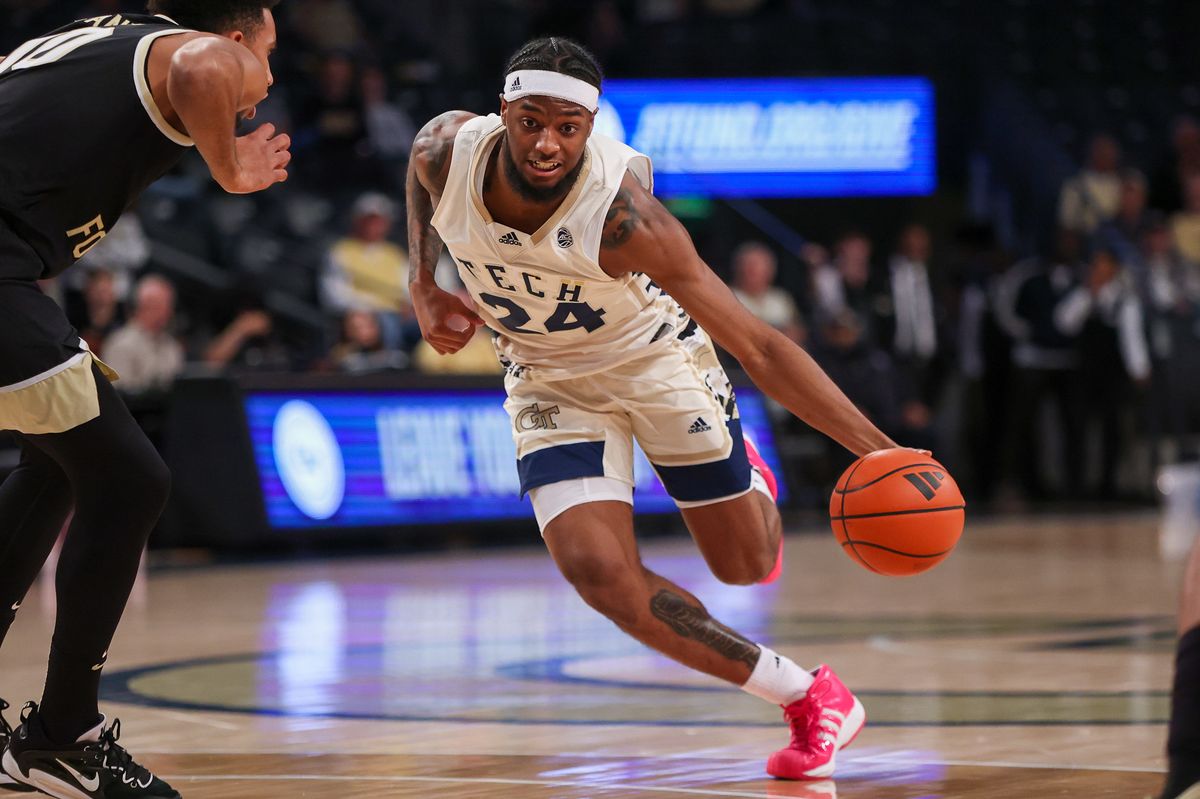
(537,194)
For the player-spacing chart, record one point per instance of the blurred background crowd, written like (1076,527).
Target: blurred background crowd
(1035,322)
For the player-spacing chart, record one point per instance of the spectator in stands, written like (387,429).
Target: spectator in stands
(331,131)
(1091,198)
(754,270)
(102,313)
(366,271)
(144,351)
(361,348)
(1185,224)
(1104,316)
(869,378)
(984,362)
(1171,294)
(390,130)
(251,341)
(843,283)
(327,25)
(1123,233)
(1185,160)
(907,317)
(1046,362)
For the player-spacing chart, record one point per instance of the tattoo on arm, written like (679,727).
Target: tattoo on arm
(621,221)
(424,243)
(689,621)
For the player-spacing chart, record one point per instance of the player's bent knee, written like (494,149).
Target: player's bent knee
(145,476)
(745,566)
(742,573)
(604,584)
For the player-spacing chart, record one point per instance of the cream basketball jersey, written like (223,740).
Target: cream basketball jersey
(557,313)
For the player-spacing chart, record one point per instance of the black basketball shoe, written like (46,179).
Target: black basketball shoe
(7,783)
(1188,793)
(94,767)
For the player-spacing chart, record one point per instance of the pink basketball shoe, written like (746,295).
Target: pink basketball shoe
(825,721)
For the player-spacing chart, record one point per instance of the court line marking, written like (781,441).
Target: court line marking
(193,718)
(897,758)
(462,780)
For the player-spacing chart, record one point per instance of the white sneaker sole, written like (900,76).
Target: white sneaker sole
(43,782)
(850,729)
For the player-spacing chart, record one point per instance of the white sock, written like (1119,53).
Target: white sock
(778,679)
(758,483)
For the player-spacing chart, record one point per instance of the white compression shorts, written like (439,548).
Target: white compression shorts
(551,501)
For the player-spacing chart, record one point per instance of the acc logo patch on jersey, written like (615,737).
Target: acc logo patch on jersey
(565,239)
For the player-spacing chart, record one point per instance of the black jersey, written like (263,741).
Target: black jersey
(80,138)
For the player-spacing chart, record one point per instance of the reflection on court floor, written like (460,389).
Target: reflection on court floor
(1035,662)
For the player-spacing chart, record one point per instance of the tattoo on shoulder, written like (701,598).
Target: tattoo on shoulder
(439,151)
(689,621)
(621,221)
(435,142)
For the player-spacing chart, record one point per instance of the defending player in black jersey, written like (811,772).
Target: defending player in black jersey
(1183,739)
(90,115)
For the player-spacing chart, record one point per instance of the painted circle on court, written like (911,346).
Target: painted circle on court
(308,459)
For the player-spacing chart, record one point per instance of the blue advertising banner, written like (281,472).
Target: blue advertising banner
(778,137)
(397,457)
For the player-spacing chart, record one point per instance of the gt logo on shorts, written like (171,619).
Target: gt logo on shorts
(534,418)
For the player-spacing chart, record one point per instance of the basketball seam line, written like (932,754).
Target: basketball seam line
(845,530)
(845,491)
(900,512)
(854,541)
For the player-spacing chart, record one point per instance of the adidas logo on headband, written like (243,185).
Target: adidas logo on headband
(545,83)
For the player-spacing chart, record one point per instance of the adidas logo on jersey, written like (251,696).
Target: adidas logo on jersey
(510,238)
(699,426)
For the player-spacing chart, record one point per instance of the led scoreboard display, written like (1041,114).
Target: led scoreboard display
(366,458)
(778,137)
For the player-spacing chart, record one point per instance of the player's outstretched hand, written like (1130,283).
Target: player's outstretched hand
(446,321)
(262,160)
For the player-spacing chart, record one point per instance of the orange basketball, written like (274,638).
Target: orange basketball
(897,512)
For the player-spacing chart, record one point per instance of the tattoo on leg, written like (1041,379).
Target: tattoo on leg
(692,622)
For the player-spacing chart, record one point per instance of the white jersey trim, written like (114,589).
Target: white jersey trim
(147,96)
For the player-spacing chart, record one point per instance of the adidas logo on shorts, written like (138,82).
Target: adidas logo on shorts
(699,426)
(510,238)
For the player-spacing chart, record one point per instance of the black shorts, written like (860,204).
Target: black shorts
(46,380)
(35,336)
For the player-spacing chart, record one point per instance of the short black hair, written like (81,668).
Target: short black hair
(558,54)
(214,16)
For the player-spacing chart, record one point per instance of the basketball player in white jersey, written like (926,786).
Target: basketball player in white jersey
(603,309)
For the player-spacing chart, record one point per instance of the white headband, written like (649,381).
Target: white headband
(525,82)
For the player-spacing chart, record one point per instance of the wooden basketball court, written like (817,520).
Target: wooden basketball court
(1034,663)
